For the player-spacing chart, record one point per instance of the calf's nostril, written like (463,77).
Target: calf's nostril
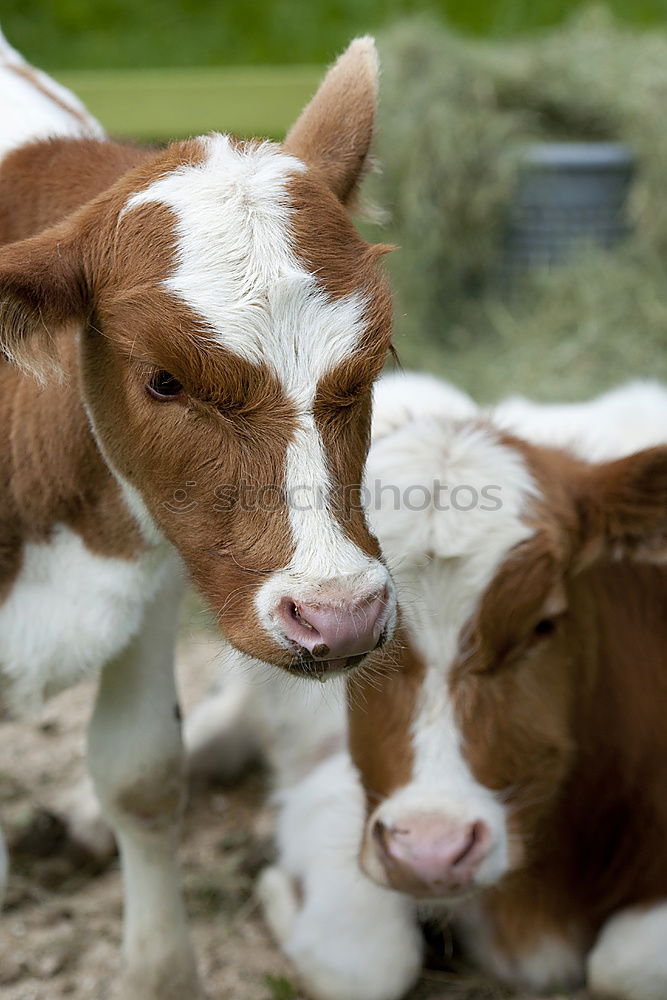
(378,832)
(297,616)
(468,847)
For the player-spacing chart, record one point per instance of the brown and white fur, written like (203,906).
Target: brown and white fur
(547,743)
(174,325)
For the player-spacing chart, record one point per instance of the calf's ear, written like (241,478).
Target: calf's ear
(43,291)
(623,509)
(333,135)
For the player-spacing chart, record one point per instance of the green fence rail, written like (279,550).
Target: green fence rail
(161,104)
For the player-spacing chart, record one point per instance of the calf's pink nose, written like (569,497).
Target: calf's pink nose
(431,855)
(335,632)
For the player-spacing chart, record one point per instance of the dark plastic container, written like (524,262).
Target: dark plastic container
(568,194)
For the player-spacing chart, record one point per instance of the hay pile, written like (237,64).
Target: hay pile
(456,116)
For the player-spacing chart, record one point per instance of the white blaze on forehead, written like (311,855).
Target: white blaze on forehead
(442,562)
(237,269)
(36,107)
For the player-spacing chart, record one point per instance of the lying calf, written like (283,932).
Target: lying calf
(508,767)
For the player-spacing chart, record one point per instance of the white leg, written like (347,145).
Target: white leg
(347,938)
(219,738)
(629,960)
(135,757)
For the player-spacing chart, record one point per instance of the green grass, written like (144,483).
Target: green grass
(123,33)
(280,988)
(174,103)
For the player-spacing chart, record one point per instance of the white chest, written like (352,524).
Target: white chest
(68,613)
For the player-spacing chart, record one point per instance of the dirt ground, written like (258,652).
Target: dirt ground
(62,921)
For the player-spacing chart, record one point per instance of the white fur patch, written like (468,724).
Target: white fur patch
(69,612)
(402,397)
(630,956)
(42,109)
(617,423)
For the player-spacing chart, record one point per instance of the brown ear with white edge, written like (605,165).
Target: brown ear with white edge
(334,132)
(42,291)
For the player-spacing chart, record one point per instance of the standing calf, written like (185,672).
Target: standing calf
(512,774)
(188,340)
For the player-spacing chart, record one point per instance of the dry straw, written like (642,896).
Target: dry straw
(456,115)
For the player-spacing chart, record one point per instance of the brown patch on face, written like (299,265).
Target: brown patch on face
(327,244)
(228,440)
(517,738)
(342,411)
(345,434)
(50,280)
(382,700)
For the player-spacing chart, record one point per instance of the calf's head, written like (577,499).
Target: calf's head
(230,323)
(464,751)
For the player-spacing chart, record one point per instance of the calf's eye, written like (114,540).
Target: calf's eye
(164,386)
(545,626)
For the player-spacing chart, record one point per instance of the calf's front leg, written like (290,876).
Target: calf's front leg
(135,758)
(347,938)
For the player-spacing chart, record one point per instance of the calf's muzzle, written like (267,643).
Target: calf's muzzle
(335,635)
(429,855)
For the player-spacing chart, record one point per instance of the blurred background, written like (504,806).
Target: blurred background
(522,143)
